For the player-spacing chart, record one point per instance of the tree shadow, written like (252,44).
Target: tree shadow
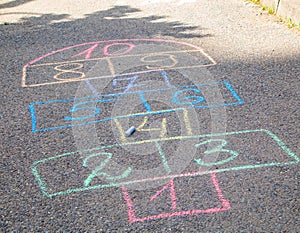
(13,3)
(113,23)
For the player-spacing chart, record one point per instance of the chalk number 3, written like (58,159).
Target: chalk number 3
(217,149)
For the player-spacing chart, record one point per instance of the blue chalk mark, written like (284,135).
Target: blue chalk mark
(92,88)
(93,108)
(195,99)
(165,75)
(144,101)
(114,82)
(233,92)
(129,86)
(33,117)
(142,97)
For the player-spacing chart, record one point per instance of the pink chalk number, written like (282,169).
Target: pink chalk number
(170,185)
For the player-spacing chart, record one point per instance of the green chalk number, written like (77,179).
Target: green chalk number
(96,172)
(217,149)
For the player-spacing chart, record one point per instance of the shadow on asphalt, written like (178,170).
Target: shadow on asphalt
(13,3)
(108,24)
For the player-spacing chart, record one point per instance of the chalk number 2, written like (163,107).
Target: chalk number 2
(96,172)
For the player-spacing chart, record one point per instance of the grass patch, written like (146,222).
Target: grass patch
(290,24)
(287,21)
(271,11)
(257,2)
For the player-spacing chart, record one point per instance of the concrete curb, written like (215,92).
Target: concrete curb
(285,8)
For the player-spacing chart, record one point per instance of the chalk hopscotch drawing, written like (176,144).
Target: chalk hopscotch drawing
(77,174)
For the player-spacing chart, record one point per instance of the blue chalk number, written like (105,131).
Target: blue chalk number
(90,110)
(193,99)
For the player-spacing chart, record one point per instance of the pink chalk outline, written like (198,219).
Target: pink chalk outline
(131,211)
(106,53)
(88,52)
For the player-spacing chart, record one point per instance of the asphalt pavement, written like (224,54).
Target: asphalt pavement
(211,88)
